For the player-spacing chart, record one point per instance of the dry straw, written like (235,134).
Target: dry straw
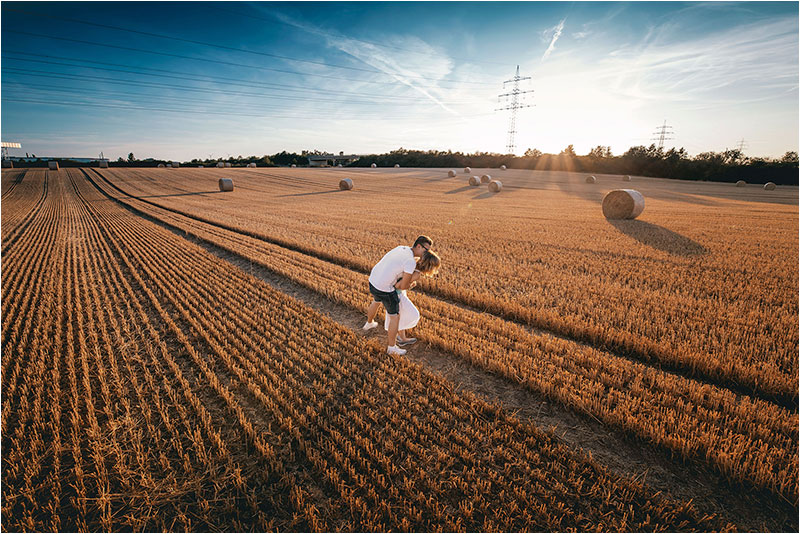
(451,173)
(740,183)
(623,204)
(485,179)
(769,186)
(225,184)
(345,184)
(467,170)
(590,179)
(474,180)
(495,186)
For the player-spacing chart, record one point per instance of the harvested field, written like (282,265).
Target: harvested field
(161,387)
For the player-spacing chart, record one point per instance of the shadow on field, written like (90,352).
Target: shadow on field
(458,190)
(313,193)
(180,194)
(659,237)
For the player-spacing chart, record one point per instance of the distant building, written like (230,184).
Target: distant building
(330,160)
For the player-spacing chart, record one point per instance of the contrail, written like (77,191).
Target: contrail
(556,35)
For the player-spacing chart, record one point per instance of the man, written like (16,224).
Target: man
(393,272)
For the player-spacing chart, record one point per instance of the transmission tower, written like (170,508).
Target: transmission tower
(661,134)
(514,105)
(741,145)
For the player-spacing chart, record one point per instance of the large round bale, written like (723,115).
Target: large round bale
(103,164)
(495,186)
(227,165)
(251,165)
(503,167)
(345,184)
(623,204)
(225,184)
(160,165)
(8,164)
(53,165)
(467,170)
(740,183)
(220,164)
(626,178)
(769,186)
(169,165)
(201,166)
(451,173)
(396,165)
(590,179)
(175,164)
(294,165)
(373,165)
(485,179)
(474,181)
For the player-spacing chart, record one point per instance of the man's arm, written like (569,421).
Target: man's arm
(404,282)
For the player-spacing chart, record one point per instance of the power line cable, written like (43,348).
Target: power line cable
(229,63)
(202,43)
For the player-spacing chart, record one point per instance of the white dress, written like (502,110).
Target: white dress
(409,314)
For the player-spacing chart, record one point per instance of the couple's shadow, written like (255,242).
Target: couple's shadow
(659,237)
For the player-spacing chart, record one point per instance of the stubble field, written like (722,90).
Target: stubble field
(151,383)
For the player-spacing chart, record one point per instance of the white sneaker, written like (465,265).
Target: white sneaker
(395,351)
(369,326)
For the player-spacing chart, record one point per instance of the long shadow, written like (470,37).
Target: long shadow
(458,190)
(180,194)
(659,237)
(312,193)
(485,194)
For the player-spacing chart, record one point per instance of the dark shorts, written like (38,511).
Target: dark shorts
(390,300)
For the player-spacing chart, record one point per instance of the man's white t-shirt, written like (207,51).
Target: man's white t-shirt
(390,269)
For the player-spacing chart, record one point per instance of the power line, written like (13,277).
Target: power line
(195,77)
(515,105)
(202,43)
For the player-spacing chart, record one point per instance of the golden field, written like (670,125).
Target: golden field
(158,386)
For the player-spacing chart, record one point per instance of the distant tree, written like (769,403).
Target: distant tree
(533,153)
(600,151)
(120,160)
(131,158)
(789,157)
(569,151)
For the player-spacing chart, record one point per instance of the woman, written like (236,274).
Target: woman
(427,265)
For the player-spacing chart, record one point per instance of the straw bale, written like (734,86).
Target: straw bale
(294,165)
(227,165)
(769,186)
(53,165)
(169,165)
(623,204)
(741,183)
(103,163)
(495,186)
(225,184)
(160,165)
(485,179)
(474,180)
(467,170)
(590,179)
(8,164)
(502,167)
(220,164)
(626,178)
(345,184)
(175,164)
(451,173)
(396,165)
(373,165)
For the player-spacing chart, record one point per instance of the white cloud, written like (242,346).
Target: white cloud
(556,30)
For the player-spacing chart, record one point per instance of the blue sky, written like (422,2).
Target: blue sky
(181,80)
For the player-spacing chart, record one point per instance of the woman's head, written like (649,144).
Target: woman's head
(429,263)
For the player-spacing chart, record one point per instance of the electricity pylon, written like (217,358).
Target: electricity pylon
(514,105)
(661,133)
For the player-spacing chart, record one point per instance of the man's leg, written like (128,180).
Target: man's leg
(394,322)
(372,311)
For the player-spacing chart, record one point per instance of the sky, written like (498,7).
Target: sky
(184,80)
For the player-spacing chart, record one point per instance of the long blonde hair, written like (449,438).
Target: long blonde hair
(429,263)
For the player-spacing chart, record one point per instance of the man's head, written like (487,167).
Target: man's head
(422,245)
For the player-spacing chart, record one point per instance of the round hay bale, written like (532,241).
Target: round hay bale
(495,186)
(502,167)
(175,164)
(396,165)
(485,179)
(103,164)
(227,165)
(201,166)
(590,179)
(373,165)
(769,186)
(225,184)
(160,165)
(53,165)
(220,165)
(251,165)
(626,178)
(340,165)
(294,165)
(345,184)
(169,165)
(451,174)
(623,204)
(467,170)
(741,183)
(474,180)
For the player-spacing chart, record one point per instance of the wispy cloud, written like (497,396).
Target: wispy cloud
(556,30)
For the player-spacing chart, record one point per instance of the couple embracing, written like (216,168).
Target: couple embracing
(398,271)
